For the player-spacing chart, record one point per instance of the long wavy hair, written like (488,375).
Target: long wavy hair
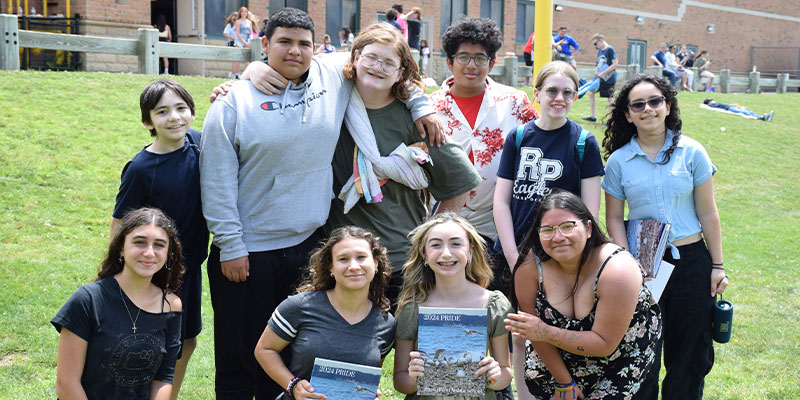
(168,277)
(619,131)
(319,276)
(386,34)
(562,200)
(419,280)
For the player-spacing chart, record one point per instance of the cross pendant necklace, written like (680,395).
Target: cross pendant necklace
(124,303)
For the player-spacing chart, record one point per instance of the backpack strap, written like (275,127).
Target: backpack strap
(520,134)
(581,146)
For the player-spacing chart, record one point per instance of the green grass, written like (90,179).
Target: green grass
(66,137)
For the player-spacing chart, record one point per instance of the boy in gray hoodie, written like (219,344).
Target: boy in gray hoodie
(266,181)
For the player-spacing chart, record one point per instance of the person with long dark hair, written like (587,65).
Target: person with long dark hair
(339,313)
(591,325)
(164,35)
(664,175)
(120,335)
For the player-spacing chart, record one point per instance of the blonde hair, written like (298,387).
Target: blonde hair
(419,280)
(555,68)
(383,33)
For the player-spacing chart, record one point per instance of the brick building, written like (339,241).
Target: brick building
(737,33)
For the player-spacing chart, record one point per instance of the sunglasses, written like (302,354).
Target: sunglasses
(552,93)
(655,103)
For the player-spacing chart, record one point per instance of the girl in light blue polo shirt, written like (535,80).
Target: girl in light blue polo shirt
(666,176)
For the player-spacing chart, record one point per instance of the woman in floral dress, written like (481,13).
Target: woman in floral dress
(589,322)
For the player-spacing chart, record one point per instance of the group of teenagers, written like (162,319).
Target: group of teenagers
(341,199)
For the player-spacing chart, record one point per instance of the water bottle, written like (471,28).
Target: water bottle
(723,321)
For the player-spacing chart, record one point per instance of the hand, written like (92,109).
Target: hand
(435,131)
(236,270)
(491,368)
(416,365)
(568,395)
(304,390)
(220,90)
(719,281)
(527,326)
(265,78)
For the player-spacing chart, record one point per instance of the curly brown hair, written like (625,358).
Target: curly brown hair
(386,34)
(168,277)
(620,131)
(319,275)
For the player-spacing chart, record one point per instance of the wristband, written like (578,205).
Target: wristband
(290,387)
(716,267)
(569,387)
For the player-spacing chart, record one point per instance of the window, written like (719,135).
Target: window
(493,9)
(275,5)
(525,11)
(452,10)
(216,12)
(637,53)
(338,14)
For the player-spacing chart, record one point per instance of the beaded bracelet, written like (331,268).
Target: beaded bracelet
(291,385)
(566,387)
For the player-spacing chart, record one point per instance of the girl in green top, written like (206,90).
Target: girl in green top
(447,267)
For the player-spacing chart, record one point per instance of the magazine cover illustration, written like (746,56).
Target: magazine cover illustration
(345,381)
(647,240)
(452,342)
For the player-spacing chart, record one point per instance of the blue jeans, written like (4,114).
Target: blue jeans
(669,75)
(687,315)
(744,111)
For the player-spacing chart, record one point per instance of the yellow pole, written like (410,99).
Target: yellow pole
(44,8)
(542,48)
(26,10)
(69,30)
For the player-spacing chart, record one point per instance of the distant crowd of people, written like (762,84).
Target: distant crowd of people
(340,198)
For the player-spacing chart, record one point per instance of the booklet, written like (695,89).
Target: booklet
(345,381)
(452,342)
(657,284)
(647,240)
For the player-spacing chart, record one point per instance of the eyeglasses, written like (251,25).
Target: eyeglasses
(480,59)
(655,103)
(552,93)
(387,67)
(546,232)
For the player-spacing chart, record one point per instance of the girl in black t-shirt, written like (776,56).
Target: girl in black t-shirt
(120,335)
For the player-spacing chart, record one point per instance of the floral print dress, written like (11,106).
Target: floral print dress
(615,377)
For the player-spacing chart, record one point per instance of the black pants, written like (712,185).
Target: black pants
(687,314)
(241,312)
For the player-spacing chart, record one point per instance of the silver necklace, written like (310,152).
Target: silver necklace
(124,303)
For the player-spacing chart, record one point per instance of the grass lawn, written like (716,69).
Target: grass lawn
(66,137)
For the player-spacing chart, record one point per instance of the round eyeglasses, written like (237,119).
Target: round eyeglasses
(386,66)
(546,232)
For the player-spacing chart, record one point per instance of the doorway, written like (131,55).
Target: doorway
(167,9)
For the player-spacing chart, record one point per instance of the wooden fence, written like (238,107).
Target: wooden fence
(148,50)
(146,47)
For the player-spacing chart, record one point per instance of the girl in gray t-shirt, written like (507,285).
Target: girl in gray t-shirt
(340,313)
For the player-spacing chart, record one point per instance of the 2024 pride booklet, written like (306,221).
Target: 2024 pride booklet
(345,381)
(452,342)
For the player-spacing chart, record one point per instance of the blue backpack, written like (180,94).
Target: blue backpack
(581,146)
